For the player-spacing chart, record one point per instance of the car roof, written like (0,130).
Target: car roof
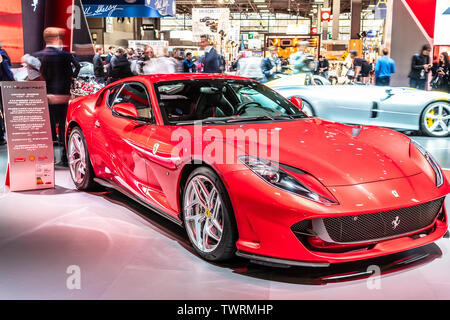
(189,76)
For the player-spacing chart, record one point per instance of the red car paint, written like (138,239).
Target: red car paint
(360,172)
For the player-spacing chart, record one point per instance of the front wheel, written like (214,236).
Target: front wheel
(435,119)
(79,161)
(208,216)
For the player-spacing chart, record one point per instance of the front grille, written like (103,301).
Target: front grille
(374,226)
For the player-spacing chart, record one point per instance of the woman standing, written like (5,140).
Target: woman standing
(441,76)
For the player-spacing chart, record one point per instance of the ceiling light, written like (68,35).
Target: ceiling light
(262,5)
(264,10)
(259,0)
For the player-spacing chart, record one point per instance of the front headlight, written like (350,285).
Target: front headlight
(434,165)
(273,174)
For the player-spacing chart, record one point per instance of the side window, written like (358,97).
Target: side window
(112,94)
(136,94)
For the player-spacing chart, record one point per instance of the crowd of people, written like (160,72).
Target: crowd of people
(122,63)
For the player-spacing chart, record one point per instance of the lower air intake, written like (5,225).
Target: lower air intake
(382,225)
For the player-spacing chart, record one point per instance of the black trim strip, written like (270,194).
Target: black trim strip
(257,257)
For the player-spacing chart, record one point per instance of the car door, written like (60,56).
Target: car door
(126,137)
(398,109)
(351,104)
(100,150)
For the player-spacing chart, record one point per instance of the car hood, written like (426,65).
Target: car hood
(338,154)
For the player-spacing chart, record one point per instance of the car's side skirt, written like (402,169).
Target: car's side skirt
(112,185)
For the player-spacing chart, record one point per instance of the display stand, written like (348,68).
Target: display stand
(28,134)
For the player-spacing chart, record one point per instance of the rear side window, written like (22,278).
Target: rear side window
(112,94)
(100,99)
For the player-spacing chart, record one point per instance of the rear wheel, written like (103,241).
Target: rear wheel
(318,81)
(208,216)
(435,119)
(79,161)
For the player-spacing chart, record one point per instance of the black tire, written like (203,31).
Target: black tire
(87,182)
(318,82)
(226,248)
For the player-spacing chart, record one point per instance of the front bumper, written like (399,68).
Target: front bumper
(265,215)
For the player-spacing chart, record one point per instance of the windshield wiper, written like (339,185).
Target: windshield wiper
(242,119)
(265,117)
(197,122)
(210,121)
(290,116)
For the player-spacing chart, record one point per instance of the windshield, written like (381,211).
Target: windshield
(222,101)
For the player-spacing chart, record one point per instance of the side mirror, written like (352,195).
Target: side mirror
(126,109)
(297,101)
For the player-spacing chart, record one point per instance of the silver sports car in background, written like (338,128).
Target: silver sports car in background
(398,108)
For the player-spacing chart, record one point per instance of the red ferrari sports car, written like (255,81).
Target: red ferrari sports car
(247,173)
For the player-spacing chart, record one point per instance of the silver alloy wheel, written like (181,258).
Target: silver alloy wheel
(77,158)
(203,215)
(306,108)
(437,118)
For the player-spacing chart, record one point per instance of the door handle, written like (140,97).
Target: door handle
(97,124)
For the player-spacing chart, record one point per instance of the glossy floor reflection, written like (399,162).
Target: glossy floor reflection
(125,251)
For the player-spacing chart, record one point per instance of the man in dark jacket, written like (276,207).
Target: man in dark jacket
(420,67)
(271,65)
(99,70)
(58,68)
(5,75)
(323,67)
(120,66)
(5,66)
(212,61)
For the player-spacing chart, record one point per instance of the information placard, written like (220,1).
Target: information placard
(210,21)
(28,132)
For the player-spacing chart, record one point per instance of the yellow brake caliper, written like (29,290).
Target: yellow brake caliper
(430,121)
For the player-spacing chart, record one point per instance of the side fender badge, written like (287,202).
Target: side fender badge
(155,148)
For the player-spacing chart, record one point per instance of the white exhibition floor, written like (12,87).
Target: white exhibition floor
(126,252)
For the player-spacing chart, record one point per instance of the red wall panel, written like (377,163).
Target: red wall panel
(11,30)
(425,11)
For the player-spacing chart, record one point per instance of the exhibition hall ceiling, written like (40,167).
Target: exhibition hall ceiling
(297,7)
